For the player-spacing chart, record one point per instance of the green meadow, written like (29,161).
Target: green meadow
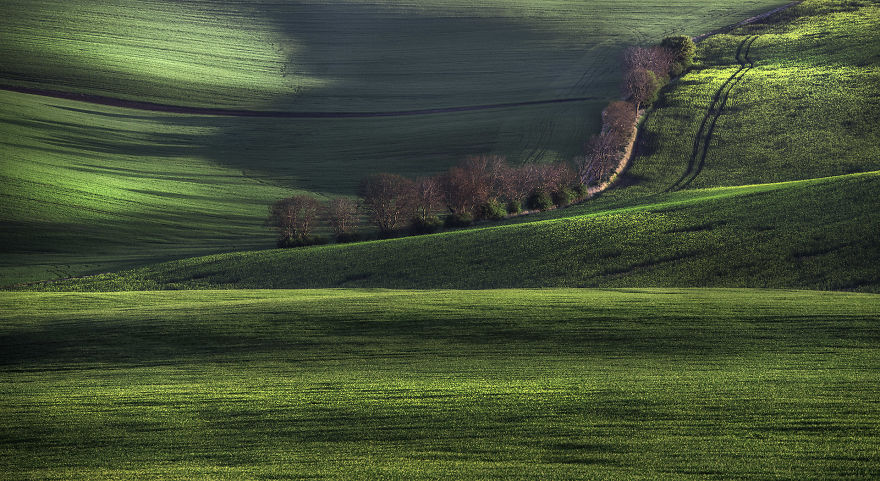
(181,185)
(676,219)
(715,315)
(520,384)
(342,54)
(92,189)
(805,107)
(816,234)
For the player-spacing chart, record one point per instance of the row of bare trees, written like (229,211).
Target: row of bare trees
(646,70)
(486,187)
(482,187)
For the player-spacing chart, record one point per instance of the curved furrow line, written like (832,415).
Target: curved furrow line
(179,109)
(746,65)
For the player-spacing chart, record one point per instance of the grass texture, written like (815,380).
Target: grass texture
(341,54)
(814,234)
(519,384)
(800,101)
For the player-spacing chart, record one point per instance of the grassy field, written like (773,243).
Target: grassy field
(340,55)
(806,105)
(759,169)
(814,234)
(522,384)
(92,188)
(659,228)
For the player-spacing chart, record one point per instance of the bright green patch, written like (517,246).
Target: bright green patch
(341,54)
(806,108)
(521,384)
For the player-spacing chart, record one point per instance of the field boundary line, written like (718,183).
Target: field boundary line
(756,18)
(625,158)
(181,109)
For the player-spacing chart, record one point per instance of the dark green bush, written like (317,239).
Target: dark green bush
(582,191)
(459,220)
(491,210)
(540,200)
(563,196)
(514,207)
(428,225)
(684,48)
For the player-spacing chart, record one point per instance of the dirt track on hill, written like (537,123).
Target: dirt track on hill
(696,161)
(180,109)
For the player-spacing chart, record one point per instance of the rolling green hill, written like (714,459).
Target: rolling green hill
(798,100)
(815,234)
(659,229)
(518,384)
(758,174)
(90,188)
(340,54)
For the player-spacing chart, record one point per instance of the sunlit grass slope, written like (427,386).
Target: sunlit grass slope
(89,188)
(816,234)
(340,54)
(519,384)
(808,107)
(684,250)
(95,189)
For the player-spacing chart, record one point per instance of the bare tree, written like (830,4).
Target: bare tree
(342,213)
(389,199)
(426,198)
(654,59)
(601,153)
(619,119)
(551,177)
(294,217)
(641,85)
(467,186)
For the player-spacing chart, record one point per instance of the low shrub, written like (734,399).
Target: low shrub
(514,207)
(540,200)
(563,196)
(683,50)
(582,191)
(491,210)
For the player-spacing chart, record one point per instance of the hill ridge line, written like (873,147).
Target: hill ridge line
(225,112)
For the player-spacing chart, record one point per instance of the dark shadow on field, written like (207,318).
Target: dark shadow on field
(101,332)
(333,155)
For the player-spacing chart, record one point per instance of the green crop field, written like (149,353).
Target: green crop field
(287,56)
(342,54)
(805,106)
(520,384)
(661,330)
(816,234)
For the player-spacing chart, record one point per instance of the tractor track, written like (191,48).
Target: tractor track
(180,109)
(707,127)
